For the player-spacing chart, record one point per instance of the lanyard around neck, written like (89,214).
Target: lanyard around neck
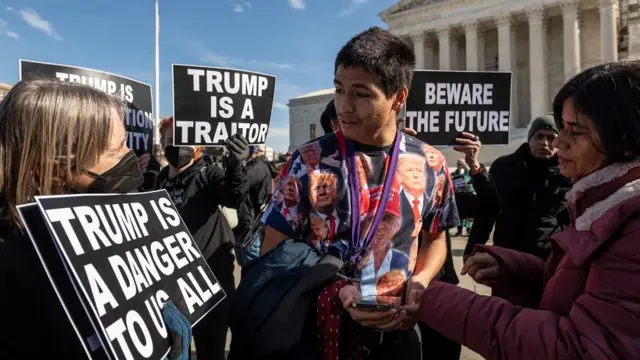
(358,248)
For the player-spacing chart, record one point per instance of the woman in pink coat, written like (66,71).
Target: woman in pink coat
(584,302)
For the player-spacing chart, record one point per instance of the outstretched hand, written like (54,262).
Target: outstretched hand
(483,268)
(179,329)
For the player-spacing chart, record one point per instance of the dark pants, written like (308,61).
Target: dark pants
(398,345)
(436,346)
(210,334)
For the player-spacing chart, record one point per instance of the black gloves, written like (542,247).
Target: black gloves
(179,329)
(238,151)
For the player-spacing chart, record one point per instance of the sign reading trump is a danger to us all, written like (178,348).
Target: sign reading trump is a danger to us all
(211,104)
(127,256)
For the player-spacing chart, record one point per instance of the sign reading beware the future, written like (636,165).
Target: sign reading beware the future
(442,104)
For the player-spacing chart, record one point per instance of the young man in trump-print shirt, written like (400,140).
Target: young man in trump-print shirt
(372,75)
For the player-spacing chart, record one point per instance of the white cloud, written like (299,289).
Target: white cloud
(280,106)
(351,8)
(216,59)
(34,20)
(5,31)
(278,138)
(271,64)
(9,9)
(240,6)
(297,4)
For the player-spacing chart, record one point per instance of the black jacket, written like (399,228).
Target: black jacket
(33,324)
(273,309)
(484,202)
(260,173)
(532,198)
(197,192)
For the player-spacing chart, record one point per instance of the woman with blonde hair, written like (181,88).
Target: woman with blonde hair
(55,138)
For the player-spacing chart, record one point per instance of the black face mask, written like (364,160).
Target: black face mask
(124,177)
(178,157)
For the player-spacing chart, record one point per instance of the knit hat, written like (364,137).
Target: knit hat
(544,122)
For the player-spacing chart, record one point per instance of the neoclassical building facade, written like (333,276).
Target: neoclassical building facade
(543,42)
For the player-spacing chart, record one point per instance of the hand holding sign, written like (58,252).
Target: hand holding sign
(238,148)
(470,147)
(180,332)
(443,103)
(126,256)
(211,104)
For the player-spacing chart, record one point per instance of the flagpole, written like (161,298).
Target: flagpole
(156,137)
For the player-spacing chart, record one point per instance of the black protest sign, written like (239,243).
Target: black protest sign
(64,289)
(442,104)
(137,95)
(129,254)
(459,182)
(211,104)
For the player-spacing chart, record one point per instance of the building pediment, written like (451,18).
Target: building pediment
(405,5)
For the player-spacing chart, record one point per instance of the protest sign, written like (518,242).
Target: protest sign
(61,287)
(211,104)
(137,95)
(459,182)
(441,104)
(126,255)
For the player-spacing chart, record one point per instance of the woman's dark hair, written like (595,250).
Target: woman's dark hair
(328,114)
(387,56)
(609,95)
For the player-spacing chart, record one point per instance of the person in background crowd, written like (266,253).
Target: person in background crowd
(483,202)
(260,175)
(198,188)
(150,167)
(532,193)
(329,118)
(55,138)
(372,75)
(462,183)
(584,302)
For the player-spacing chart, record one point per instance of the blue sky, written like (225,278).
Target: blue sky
(295,40)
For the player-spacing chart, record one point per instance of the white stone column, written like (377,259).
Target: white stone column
(471,45)
(418,49)
(503,23)
(537,62)
(571,39)
(429,54)
(454,45)
(481,53)
(444,43)
(507,57)
(608,31)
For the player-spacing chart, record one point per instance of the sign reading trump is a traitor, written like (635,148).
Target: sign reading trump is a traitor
(136,95)
(126,256)
(442,104)
(211,104)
